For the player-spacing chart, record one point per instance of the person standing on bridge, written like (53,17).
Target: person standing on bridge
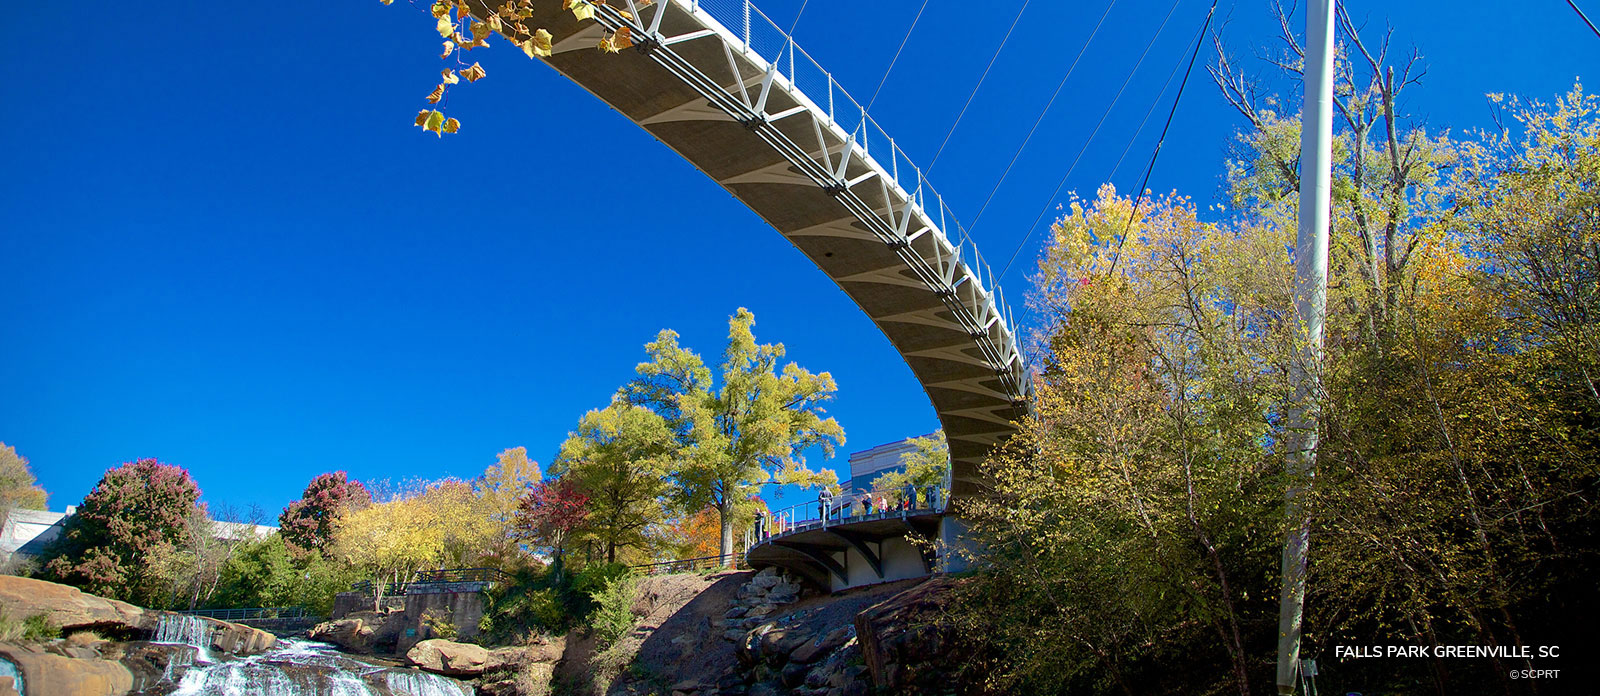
(824,502)
(909,502)
(761,525)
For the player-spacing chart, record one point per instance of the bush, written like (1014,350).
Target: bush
(33,628)
(613,614)
(438,626)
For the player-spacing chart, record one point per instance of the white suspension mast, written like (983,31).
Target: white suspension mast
(1311,292)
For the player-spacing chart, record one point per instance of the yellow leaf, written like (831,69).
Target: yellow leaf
(474,73)
(580,9)
(449,77)
(448,47)
(440,10)
(480,31)
(607,46)
(438,93)
(539,45)
(445,27)
(387,2)
(434,122)
(451,125)
(422,117)
(623,39)
(494,23)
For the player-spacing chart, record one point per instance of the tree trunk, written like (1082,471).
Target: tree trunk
(725,547)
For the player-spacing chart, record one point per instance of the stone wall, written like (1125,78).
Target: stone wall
(462,609)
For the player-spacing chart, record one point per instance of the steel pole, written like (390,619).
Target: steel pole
(1311,292)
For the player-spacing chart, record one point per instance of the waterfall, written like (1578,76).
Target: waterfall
(9,669)
(415,683)
(183,629)
(303,668)
(180,659)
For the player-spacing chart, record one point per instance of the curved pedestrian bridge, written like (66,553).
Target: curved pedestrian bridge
(723,86)
(852,540)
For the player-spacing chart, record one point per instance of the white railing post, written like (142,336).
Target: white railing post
(747,24)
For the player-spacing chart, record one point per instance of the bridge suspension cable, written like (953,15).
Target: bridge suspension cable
(1046,110)
(1086,142)
(1117,255)
(975,88)
(896,57)
(796,21)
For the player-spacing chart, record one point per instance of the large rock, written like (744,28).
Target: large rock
(449,658)
(238,638)
(70,608)
(904,645)
(352,635)
(44,674)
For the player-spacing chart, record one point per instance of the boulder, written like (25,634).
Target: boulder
(354,635)
(71,608)
(238,638)
(813,650)
(449,658)
(904,645)
(44,674)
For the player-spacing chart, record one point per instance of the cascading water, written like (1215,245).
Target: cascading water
(181,629)
(9,669)
(303,668)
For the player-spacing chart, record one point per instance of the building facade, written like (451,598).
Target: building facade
(26,533)
(867,465)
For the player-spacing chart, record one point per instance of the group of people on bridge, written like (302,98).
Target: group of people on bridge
(831,508)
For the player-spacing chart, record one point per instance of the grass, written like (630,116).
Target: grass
(34,628)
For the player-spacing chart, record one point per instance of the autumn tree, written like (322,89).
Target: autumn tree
(307,524)
(927,464)
(501,487)
(18,487)
(620,457)
(388,542)
(137,509)
(547,515)
(756,422)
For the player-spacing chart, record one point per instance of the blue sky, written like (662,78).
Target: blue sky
(223,243)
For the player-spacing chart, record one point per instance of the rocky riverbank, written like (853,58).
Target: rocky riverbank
(112,648)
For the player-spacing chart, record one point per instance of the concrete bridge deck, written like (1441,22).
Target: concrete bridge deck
(724,87)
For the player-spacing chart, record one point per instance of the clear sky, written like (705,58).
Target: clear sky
(224,244)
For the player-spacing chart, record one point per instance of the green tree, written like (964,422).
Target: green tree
(18,487)
(137,510)
(620,457)
(926,465)
(756,424)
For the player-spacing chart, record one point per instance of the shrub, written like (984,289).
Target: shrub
(438,626)
(613,614)
(36,627)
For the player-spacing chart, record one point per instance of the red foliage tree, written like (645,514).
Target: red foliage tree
(307,524)
(549,512)
(136,508)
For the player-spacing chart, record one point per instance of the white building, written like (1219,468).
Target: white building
(27,532)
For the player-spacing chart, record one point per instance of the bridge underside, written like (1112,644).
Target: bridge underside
(787,158)
(853,553)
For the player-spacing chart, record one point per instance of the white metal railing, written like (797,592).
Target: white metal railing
(762,41)
(845,508)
